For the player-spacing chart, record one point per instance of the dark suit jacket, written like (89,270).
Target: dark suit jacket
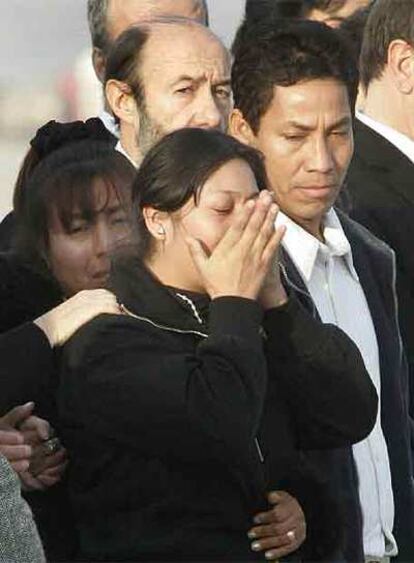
(374,263)
(380,186)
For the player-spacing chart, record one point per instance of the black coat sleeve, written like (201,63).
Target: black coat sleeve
(322,376)
(130,381)
(26,367)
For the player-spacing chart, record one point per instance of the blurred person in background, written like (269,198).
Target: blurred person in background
(262,9)
(294,89)
(381,175)
(332,12)
(165,75)
(73,209)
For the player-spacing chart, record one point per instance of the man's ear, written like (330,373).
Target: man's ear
(401,65)
(99,64)
(121,101)
(240,129)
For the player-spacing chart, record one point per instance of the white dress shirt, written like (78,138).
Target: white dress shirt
(121,149)
(329,274)
(110,123)
(399,140)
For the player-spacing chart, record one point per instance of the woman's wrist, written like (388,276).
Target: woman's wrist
(44,325)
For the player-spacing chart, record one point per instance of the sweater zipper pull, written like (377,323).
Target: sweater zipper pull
(259,450)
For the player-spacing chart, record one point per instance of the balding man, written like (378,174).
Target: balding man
(165,75)
(107,20)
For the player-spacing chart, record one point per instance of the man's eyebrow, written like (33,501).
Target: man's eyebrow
(198,79)
(300,126)
(224,82)
(185,78)
(343,122)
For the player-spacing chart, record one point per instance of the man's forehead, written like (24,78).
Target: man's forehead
(306,103)
(124,13)
(181,49)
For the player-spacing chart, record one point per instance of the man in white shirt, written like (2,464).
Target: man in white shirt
(296,108)
(380,182)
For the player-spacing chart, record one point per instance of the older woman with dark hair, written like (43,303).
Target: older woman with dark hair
(182,415)
(72,205)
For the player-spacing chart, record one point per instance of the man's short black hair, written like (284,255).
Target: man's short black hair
(389,20)
(284,53)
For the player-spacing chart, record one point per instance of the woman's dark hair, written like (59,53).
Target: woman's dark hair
(63,181)
(177,168)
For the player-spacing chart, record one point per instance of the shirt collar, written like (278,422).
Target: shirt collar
(121,149)
(400,141)
(303,248)
(110,123)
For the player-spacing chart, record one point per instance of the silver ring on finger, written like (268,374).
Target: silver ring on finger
(291,535)
(52,445)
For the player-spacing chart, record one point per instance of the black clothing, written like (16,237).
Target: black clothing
(162,419)
(28,372)
(374,263)
(380,185)
(27,368)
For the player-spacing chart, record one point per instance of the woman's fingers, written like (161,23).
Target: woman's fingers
(266,230)
(235,231)
(16,453)
(35,428)
(256,221)
(272,246)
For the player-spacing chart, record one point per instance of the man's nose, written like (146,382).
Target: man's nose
(321,157)
(208,114)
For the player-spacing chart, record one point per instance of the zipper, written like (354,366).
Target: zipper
(161,327)
(259,450)
(299,290)
(179,331)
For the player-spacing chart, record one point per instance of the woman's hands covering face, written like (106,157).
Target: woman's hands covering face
(242,259)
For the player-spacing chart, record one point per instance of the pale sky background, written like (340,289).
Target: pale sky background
(39,37)
(40,40)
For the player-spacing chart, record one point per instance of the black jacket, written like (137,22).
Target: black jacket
(374,263)
(168,421)
(28,372)
(380,186)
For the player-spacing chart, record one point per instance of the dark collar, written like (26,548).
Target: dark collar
(396,169)
(137,289)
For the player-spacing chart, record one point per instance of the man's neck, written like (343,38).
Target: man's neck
(397,115)
(129,145)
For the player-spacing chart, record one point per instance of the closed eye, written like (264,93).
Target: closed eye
(222,211)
